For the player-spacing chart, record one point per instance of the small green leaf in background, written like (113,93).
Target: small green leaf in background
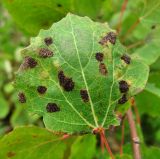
(74,59)
(148,101)
(31,143)
(4,108)
(41,14)
(84,147)
(151,153)
(34,142)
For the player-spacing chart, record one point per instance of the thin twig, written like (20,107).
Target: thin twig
(131,29)
(124,5)
(104,140)
(134,136)
(141,42)
(122,136)
(133,103)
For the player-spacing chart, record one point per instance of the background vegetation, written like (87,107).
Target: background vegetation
(138,25)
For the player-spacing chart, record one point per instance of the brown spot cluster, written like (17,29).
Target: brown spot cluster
(30,62)
(66,82)
(103,69)
(84,95)
(52,107)
(43,52)
(111,37)
(21,97)
(126,59)
(99,56)
(48,41)
(123,99)
(123,86)
(41,89)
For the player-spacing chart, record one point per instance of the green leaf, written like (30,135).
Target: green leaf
(75,44)
(149,53)
(148,100)
(124,156)
(31,15)
(151,153)
(31,142)
(151,12)
(4,108)
(84,147)
(151,88)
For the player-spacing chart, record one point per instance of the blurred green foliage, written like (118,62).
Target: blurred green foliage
(21,19)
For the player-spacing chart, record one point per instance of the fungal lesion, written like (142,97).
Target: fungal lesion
(123,86)
(66,82)
(21,97)
(111,37)
(44,53)
(123,99)
(48,41)
(84,95)
(41,89)
(103,69)
(126,58)
(52,107)
(99,56)
(28,62)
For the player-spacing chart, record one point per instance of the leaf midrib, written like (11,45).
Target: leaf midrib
(111,89)
(83,75)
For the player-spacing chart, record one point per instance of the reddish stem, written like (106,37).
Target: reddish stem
(102,144)
(133,103)
(104,140)
(141,42)
(134,136)
(122,138)
(131,29)
(65,136)
(123,8)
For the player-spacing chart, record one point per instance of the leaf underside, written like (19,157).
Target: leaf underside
(74,42)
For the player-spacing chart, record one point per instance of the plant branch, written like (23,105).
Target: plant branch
(104,140)
(134,136)
(133,103)
(141,42)
(122,136)
(131,29)
(121,15)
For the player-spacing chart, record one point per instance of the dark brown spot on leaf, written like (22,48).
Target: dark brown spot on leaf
(43,52)
(123,99)
(84,95)
(30,62)
(22,97)
(66,82)
(99,56)
(48,41)
(103,69)
(123,86)
(52,107)
(41,89)
(11,154)
(111,37)
(126,59)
